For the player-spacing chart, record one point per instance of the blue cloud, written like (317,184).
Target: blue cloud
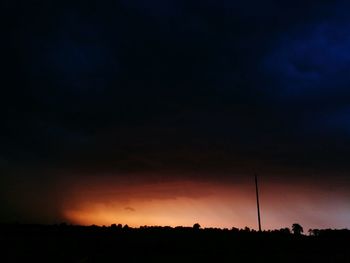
(312,63)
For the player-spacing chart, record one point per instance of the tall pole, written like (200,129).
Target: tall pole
(257,200)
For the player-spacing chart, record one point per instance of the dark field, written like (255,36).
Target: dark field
(37,243)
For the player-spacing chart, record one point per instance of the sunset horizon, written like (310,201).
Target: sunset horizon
(183,202)
(212,115)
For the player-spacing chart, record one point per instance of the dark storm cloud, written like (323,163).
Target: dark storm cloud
(307,73)
(175,85)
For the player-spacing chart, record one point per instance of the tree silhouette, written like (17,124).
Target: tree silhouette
(247,229)
(196,226)
(285,231)
(314,232)
(297,229)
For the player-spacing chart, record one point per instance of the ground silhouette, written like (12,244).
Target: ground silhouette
(118,243)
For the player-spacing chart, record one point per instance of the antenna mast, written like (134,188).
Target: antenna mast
(257,200)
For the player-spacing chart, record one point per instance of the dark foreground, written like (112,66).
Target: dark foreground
(36,243)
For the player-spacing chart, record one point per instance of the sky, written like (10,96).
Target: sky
(160,112)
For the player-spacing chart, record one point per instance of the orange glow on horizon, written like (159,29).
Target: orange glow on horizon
(209,204)
(170,204)
(182,211)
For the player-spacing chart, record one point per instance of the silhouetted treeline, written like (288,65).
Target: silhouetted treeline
(121,243)
(296,229)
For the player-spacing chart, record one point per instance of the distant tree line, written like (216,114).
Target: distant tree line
(295,230)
